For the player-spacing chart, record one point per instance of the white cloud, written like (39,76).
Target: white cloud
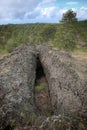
(33,10)
(33,14)
(48,1)
(16,9)
(49,12)
(29,9)
(44,2)
(72,3)
(56,13)
(82,13)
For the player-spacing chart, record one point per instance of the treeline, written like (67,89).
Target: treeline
(62,36)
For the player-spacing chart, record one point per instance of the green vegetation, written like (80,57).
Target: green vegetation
(40,88)
(33,118)
(48,32)
(69,17)
(69,34)
(66,37)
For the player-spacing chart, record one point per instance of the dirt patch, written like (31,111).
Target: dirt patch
(42,96)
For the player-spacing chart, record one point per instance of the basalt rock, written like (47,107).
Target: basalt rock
(17,77)
(67,81)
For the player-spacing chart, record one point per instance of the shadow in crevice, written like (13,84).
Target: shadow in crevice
(39,71)
(42,96)
(8,127)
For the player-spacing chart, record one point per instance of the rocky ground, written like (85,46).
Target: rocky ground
(42,99)
(31,100)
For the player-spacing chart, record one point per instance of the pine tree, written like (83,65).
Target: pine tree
(69,17)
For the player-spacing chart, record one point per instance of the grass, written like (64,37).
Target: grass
(3,51)
(41,87)
(80,54)
(15,35)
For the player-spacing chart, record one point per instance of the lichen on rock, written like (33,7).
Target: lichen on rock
(67,89)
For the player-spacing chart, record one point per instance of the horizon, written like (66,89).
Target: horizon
(37,23)
(39,11)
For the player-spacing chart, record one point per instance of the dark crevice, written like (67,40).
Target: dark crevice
(8,127)
(42,96)
(39,71)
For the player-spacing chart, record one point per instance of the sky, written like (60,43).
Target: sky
(39,11)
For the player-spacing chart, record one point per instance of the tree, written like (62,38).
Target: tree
(69,17)
(66,36)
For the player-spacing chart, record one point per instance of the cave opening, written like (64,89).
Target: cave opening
(42,95)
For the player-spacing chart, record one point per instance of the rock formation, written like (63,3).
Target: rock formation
(67,85)
(67,81)
(17,77)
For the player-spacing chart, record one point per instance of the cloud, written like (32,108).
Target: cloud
(48,1)
(52,12)
(72,3)
(29,9)
(49,14)
(33,14)
(82,13)
(16,9)
(56,13)
(33,10)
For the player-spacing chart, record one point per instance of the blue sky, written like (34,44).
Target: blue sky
(32,11)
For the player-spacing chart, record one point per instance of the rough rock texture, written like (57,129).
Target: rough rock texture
(17,77)
(67,84)
(66,78)
(61,123)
